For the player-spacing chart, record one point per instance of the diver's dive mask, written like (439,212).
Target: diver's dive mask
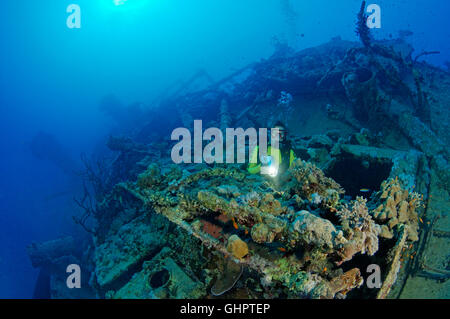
(282,133)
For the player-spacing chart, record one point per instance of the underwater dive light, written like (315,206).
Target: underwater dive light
(269,167)
(272,170)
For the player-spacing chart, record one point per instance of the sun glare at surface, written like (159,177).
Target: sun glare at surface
(119,2)
(128,4)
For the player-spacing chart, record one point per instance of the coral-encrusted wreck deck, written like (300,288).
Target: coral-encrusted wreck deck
(292,240)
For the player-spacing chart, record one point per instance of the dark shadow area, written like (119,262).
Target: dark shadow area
(362,262)
(359,177)
(159,278)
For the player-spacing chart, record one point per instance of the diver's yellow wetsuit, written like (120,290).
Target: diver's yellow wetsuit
(254,167)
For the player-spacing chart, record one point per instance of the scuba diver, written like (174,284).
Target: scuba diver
(277,160)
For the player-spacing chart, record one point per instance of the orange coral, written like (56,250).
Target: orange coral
(211,229)
(223,218)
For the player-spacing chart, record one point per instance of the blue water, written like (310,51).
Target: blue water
(52,79)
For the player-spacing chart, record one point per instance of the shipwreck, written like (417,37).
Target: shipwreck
(369,125)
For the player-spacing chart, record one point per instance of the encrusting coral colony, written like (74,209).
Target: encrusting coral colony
(280,236)
(351,199)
